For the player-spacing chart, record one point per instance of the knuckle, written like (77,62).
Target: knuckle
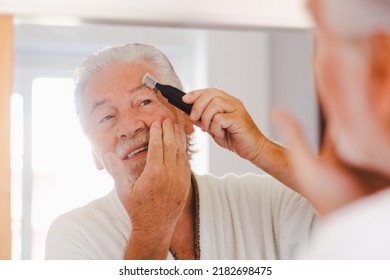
(218,117)
(215,107)
(155,144)
(171,146)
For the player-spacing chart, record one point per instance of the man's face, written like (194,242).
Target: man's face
(340,74)
(353,90)
(119,112)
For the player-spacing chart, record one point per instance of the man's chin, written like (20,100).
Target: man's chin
(135,170)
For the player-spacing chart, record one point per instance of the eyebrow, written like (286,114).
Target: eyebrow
(99,103)
(104,101)
(141,86)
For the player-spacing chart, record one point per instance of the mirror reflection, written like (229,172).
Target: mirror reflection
(51,158)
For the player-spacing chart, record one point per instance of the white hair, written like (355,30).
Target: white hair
(357,18)
(128,53)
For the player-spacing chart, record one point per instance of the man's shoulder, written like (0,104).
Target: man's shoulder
(95,209)
(92,231)
(247,186)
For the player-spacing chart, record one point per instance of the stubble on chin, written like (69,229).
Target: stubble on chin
(135,170)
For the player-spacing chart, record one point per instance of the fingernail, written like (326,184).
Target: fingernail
(193,115)
(187,97)
(167,122)
(156,124)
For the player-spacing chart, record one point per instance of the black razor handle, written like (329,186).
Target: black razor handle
(174,96)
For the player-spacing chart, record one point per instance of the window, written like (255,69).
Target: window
(16,172)
(64,175)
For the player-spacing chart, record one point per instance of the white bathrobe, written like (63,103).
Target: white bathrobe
(357,231)
(241,217)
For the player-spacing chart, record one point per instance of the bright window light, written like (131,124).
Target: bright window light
(64,175)
(16,173)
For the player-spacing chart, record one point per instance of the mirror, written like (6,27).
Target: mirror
(265,69)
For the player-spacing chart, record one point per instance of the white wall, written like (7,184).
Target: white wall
(238,64)
(291,80)
(248,14)
(265,71)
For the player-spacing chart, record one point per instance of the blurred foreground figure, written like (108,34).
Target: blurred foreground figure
(349,182)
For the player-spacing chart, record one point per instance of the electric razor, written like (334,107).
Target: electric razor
(173,94)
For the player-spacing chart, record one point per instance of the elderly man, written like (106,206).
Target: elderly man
(159,209)
(352,65)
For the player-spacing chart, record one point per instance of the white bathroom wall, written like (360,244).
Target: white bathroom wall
(266,70)
(238,64)
(291,80)
(247,14)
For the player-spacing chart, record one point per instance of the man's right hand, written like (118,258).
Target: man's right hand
(327,183)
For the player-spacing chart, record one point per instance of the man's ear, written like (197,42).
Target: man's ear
(379,73)
(380,57)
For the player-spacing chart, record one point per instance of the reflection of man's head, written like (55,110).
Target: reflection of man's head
(352,68)
(130,53)
(116,110)
(351,18)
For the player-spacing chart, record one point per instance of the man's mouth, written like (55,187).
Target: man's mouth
(136,151)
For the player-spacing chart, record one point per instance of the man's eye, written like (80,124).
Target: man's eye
(106,118)
(145,102)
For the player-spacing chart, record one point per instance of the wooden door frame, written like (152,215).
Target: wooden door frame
(6,74)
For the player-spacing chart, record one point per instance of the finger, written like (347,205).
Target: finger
(155,149)
(300,154)
(169,140)
(192,96)
(326,184)
(216,105)
(197,123)
(219,131)
(118,171)
(293,135)
(219,124)
(201,99)
(181,140)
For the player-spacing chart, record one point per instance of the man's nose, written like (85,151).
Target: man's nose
(128,125)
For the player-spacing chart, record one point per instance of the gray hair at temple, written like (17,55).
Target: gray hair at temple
(128,53)
(357,18)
